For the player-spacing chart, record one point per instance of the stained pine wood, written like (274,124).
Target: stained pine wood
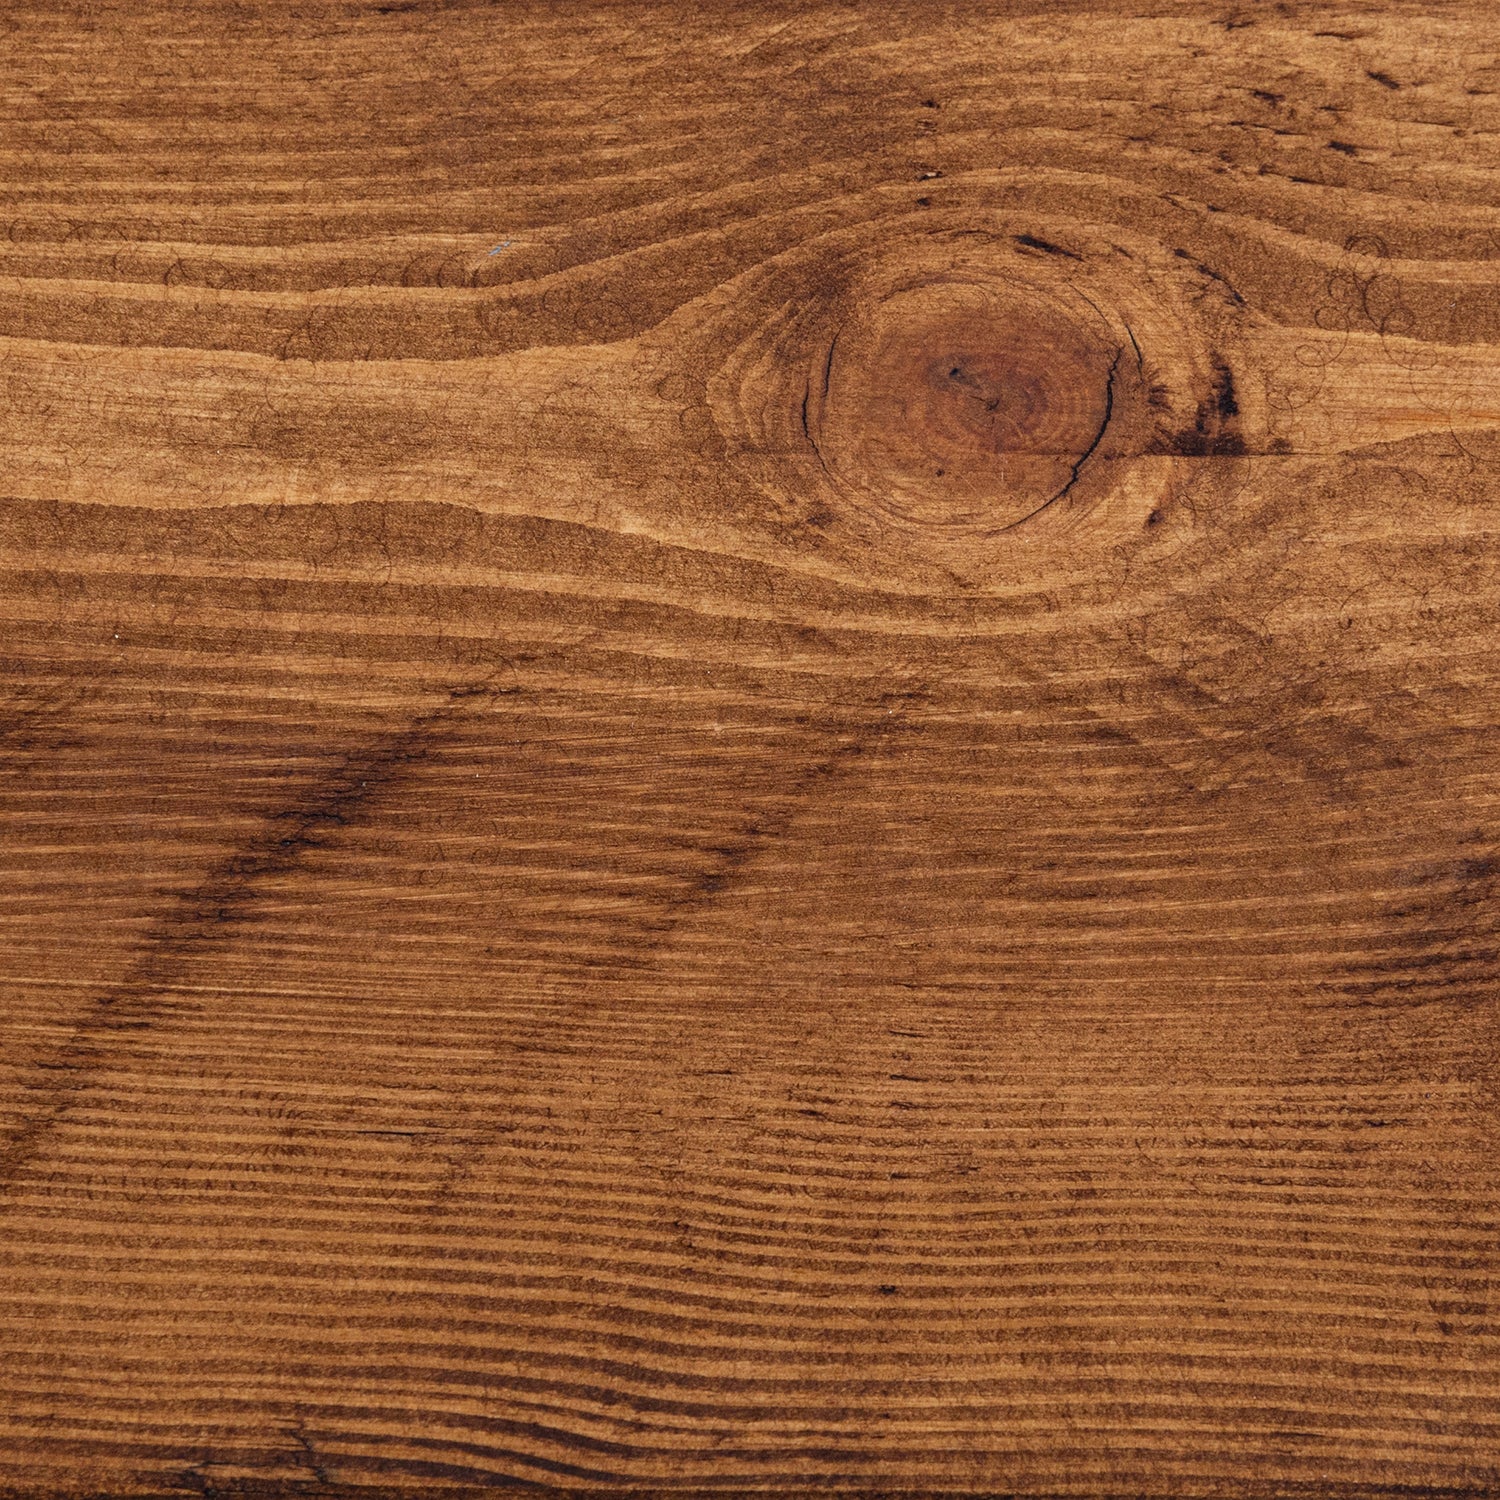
(749,748)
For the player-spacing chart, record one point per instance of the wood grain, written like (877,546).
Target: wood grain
(749,748)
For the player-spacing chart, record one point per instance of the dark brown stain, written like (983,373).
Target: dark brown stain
(1032,242)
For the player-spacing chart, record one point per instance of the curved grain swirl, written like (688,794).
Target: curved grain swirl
(748,748)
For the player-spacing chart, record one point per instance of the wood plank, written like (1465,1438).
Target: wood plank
(749,748)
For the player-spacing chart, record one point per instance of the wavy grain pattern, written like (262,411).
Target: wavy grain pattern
(749,748)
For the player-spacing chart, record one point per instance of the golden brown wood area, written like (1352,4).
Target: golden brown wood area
(749,747)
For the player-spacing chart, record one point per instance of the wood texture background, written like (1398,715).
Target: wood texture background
(749,747)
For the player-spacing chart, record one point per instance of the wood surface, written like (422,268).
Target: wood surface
(749,747)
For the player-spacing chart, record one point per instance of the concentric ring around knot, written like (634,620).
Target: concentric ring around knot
(932,405)
(960,406)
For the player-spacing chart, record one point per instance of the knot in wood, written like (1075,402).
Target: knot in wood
(961,406)
(936,409)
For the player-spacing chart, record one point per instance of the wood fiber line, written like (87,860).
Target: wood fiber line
(749,749)
(209,911)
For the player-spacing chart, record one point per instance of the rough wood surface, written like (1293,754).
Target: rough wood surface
(749,747)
